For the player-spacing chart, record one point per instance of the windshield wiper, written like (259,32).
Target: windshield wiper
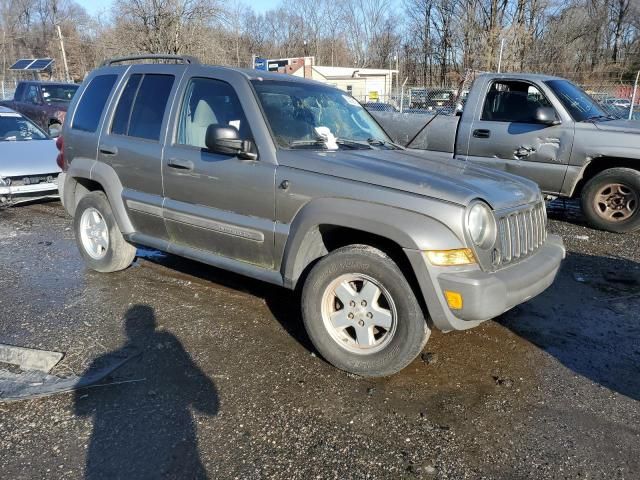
(308,143)
(599,117)
(353,143)
(383,143)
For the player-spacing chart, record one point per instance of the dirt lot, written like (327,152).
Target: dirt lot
(228,386)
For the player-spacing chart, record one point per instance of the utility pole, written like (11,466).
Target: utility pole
(64,54)
(500,57)
(633,97)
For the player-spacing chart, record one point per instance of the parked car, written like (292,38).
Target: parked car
(28,169)
(379,107)
(45,103)
(547,129)
(432,99)
(624,103)
(292,182)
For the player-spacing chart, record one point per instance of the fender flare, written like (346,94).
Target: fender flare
(408,229)
(104,175)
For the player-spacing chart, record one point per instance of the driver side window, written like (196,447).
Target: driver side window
(206,102)
(513,101)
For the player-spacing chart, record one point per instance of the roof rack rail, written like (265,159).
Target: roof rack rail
(186,59)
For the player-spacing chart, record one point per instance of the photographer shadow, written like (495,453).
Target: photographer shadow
(143,427)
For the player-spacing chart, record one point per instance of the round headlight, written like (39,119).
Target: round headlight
(481,225)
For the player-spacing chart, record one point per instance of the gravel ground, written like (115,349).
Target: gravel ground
(228,386)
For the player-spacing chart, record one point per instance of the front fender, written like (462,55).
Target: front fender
(408,229)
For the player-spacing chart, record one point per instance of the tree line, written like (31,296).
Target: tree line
(431,42)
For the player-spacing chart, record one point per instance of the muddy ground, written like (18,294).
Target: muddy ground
(226,384)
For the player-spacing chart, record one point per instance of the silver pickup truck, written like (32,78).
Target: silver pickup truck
(543,128)
(292,182)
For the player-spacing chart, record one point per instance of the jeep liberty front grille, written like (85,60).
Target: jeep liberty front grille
(521,233)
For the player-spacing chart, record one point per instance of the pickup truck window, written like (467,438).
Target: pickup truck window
(32,95)
(209,102)
(58,93)
(89,110)
(579,104)
(301,115)
(513,101)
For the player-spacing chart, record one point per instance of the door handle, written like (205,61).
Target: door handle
(523,151)
(180,164)
(108,150)
(482,133)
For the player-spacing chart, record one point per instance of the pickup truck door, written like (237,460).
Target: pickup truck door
(30,103)
(504,134)
(218,203)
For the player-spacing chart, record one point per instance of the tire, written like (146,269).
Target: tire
(611,200)
(99,239)
(54,129)
(385,342)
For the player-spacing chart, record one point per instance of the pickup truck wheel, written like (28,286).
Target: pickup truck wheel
(361,314)
(611,200)
(99,239)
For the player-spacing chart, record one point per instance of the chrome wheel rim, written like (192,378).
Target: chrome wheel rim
(359,313)
(94,233)
(616,202)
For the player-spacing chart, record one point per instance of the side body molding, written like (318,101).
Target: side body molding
(106,176)
(408,229)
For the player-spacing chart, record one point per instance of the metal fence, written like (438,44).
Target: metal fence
(7,89)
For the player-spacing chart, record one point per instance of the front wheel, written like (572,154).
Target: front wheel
(361,314)
(611,200)
(99,239)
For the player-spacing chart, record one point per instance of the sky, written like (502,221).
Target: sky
(94,7)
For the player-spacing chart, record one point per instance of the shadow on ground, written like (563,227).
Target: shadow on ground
(143,425)
(589,320)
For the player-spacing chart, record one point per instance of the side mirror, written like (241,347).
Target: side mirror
(546,116)
(225,139)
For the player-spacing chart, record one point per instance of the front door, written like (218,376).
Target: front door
(214,202)
(505,135)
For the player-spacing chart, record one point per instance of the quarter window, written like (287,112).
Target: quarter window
(142,106)
(89,110)
(513,101)
(207,102)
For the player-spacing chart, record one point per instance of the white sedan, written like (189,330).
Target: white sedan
(28,168)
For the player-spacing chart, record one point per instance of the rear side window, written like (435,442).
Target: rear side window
(142,106)
(120,123)
(91,105)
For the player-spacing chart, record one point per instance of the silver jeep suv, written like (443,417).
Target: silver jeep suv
(292,182)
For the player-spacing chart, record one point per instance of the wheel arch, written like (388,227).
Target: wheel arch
(599,165)
(84,176)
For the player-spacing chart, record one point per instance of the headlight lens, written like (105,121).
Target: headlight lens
(481,225)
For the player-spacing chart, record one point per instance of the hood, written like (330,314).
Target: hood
(29,157)
(418,172)
(621,126)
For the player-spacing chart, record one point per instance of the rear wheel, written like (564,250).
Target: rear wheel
(611,200)
(361,314)
(99,239)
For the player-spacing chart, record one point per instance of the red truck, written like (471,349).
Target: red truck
(45,103)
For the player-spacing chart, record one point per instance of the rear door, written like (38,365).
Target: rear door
(131,144)
(505,134)
(218,203)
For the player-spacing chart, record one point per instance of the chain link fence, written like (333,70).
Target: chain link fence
(7,89)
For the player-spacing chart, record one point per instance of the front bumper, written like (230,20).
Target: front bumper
(486,295)
(20,193)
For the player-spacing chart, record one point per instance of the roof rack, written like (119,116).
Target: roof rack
(186,59)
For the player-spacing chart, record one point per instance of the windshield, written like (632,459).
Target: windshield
(317,116)
(58,93)
(15,128)
(580,105)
